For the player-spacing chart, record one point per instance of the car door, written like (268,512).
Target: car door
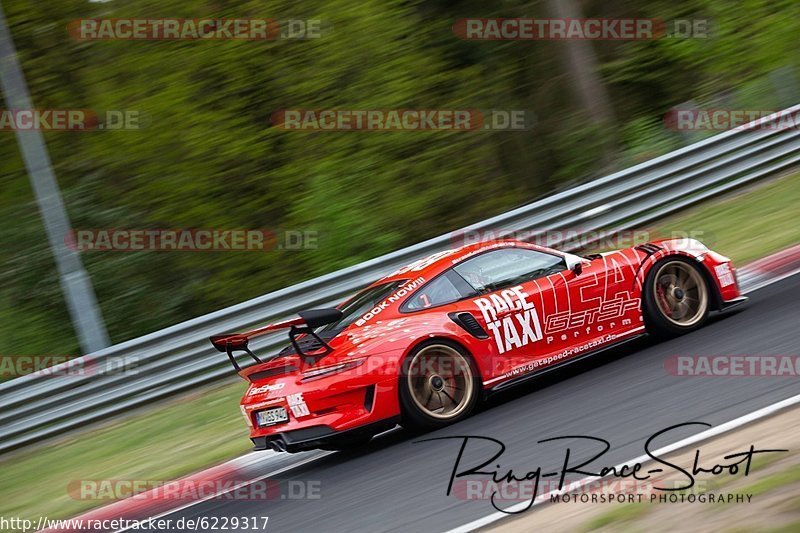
(507,302)
(587,308)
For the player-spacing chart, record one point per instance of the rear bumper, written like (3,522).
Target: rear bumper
(331,406)
(312,437)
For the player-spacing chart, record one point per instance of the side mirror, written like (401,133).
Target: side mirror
(574,263)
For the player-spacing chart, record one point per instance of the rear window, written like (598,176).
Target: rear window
(447,288)
(361,303)
(438,292)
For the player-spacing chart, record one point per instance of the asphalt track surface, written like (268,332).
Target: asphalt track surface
(623,396)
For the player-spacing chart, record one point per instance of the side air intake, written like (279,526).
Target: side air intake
(469,324)
(649,248)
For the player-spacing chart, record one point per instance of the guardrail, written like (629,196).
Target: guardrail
(180,357)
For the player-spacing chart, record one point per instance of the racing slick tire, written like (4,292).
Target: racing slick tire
(439,385)
(676,297)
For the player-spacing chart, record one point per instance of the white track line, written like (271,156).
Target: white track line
(497,516)
(703,435)
(770,281)
(243,484)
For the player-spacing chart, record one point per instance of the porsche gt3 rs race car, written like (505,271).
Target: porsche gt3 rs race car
(423,345)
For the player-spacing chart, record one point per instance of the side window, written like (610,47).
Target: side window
(508,266)
(441,290)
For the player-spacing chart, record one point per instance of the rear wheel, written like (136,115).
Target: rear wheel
(439,385)
(676,297)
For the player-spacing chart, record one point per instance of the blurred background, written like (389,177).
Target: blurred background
(209,157)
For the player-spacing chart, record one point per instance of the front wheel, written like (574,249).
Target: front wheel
(439,385)
(676,297)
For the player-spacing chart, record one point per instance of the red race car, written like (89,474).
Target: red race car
(423,345)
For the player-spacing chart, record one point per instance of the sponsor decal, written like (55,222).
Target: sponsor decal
(555,358)
(392,298)
(393,330)
(511,318)
(264,389)
(608,310)
(297,404)
(724,274)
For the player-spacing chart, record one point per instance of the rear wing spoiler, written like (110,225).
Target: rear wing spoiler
(303,324)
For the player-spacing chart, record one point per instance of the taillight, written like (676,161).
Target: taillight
(246,416)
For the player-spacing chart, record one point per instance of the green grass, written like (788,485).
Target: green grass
(164,442)
(762,461)
(759,462)
(185,435)
(788,476)
(622,514)
(792,527)
(774,481)
(627,514)
(748,226)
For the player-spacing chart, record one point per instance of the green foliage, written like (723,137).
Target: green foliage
(209,158)
(143,445)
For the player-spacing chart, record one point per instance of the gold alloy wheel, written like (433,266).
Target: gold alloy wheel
(680,293)
(440,381)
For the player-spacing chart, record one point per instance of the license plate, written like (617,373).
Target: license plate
(272,416)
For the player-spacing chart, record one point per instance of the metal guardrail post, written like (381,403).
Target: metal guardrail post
(75,283)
